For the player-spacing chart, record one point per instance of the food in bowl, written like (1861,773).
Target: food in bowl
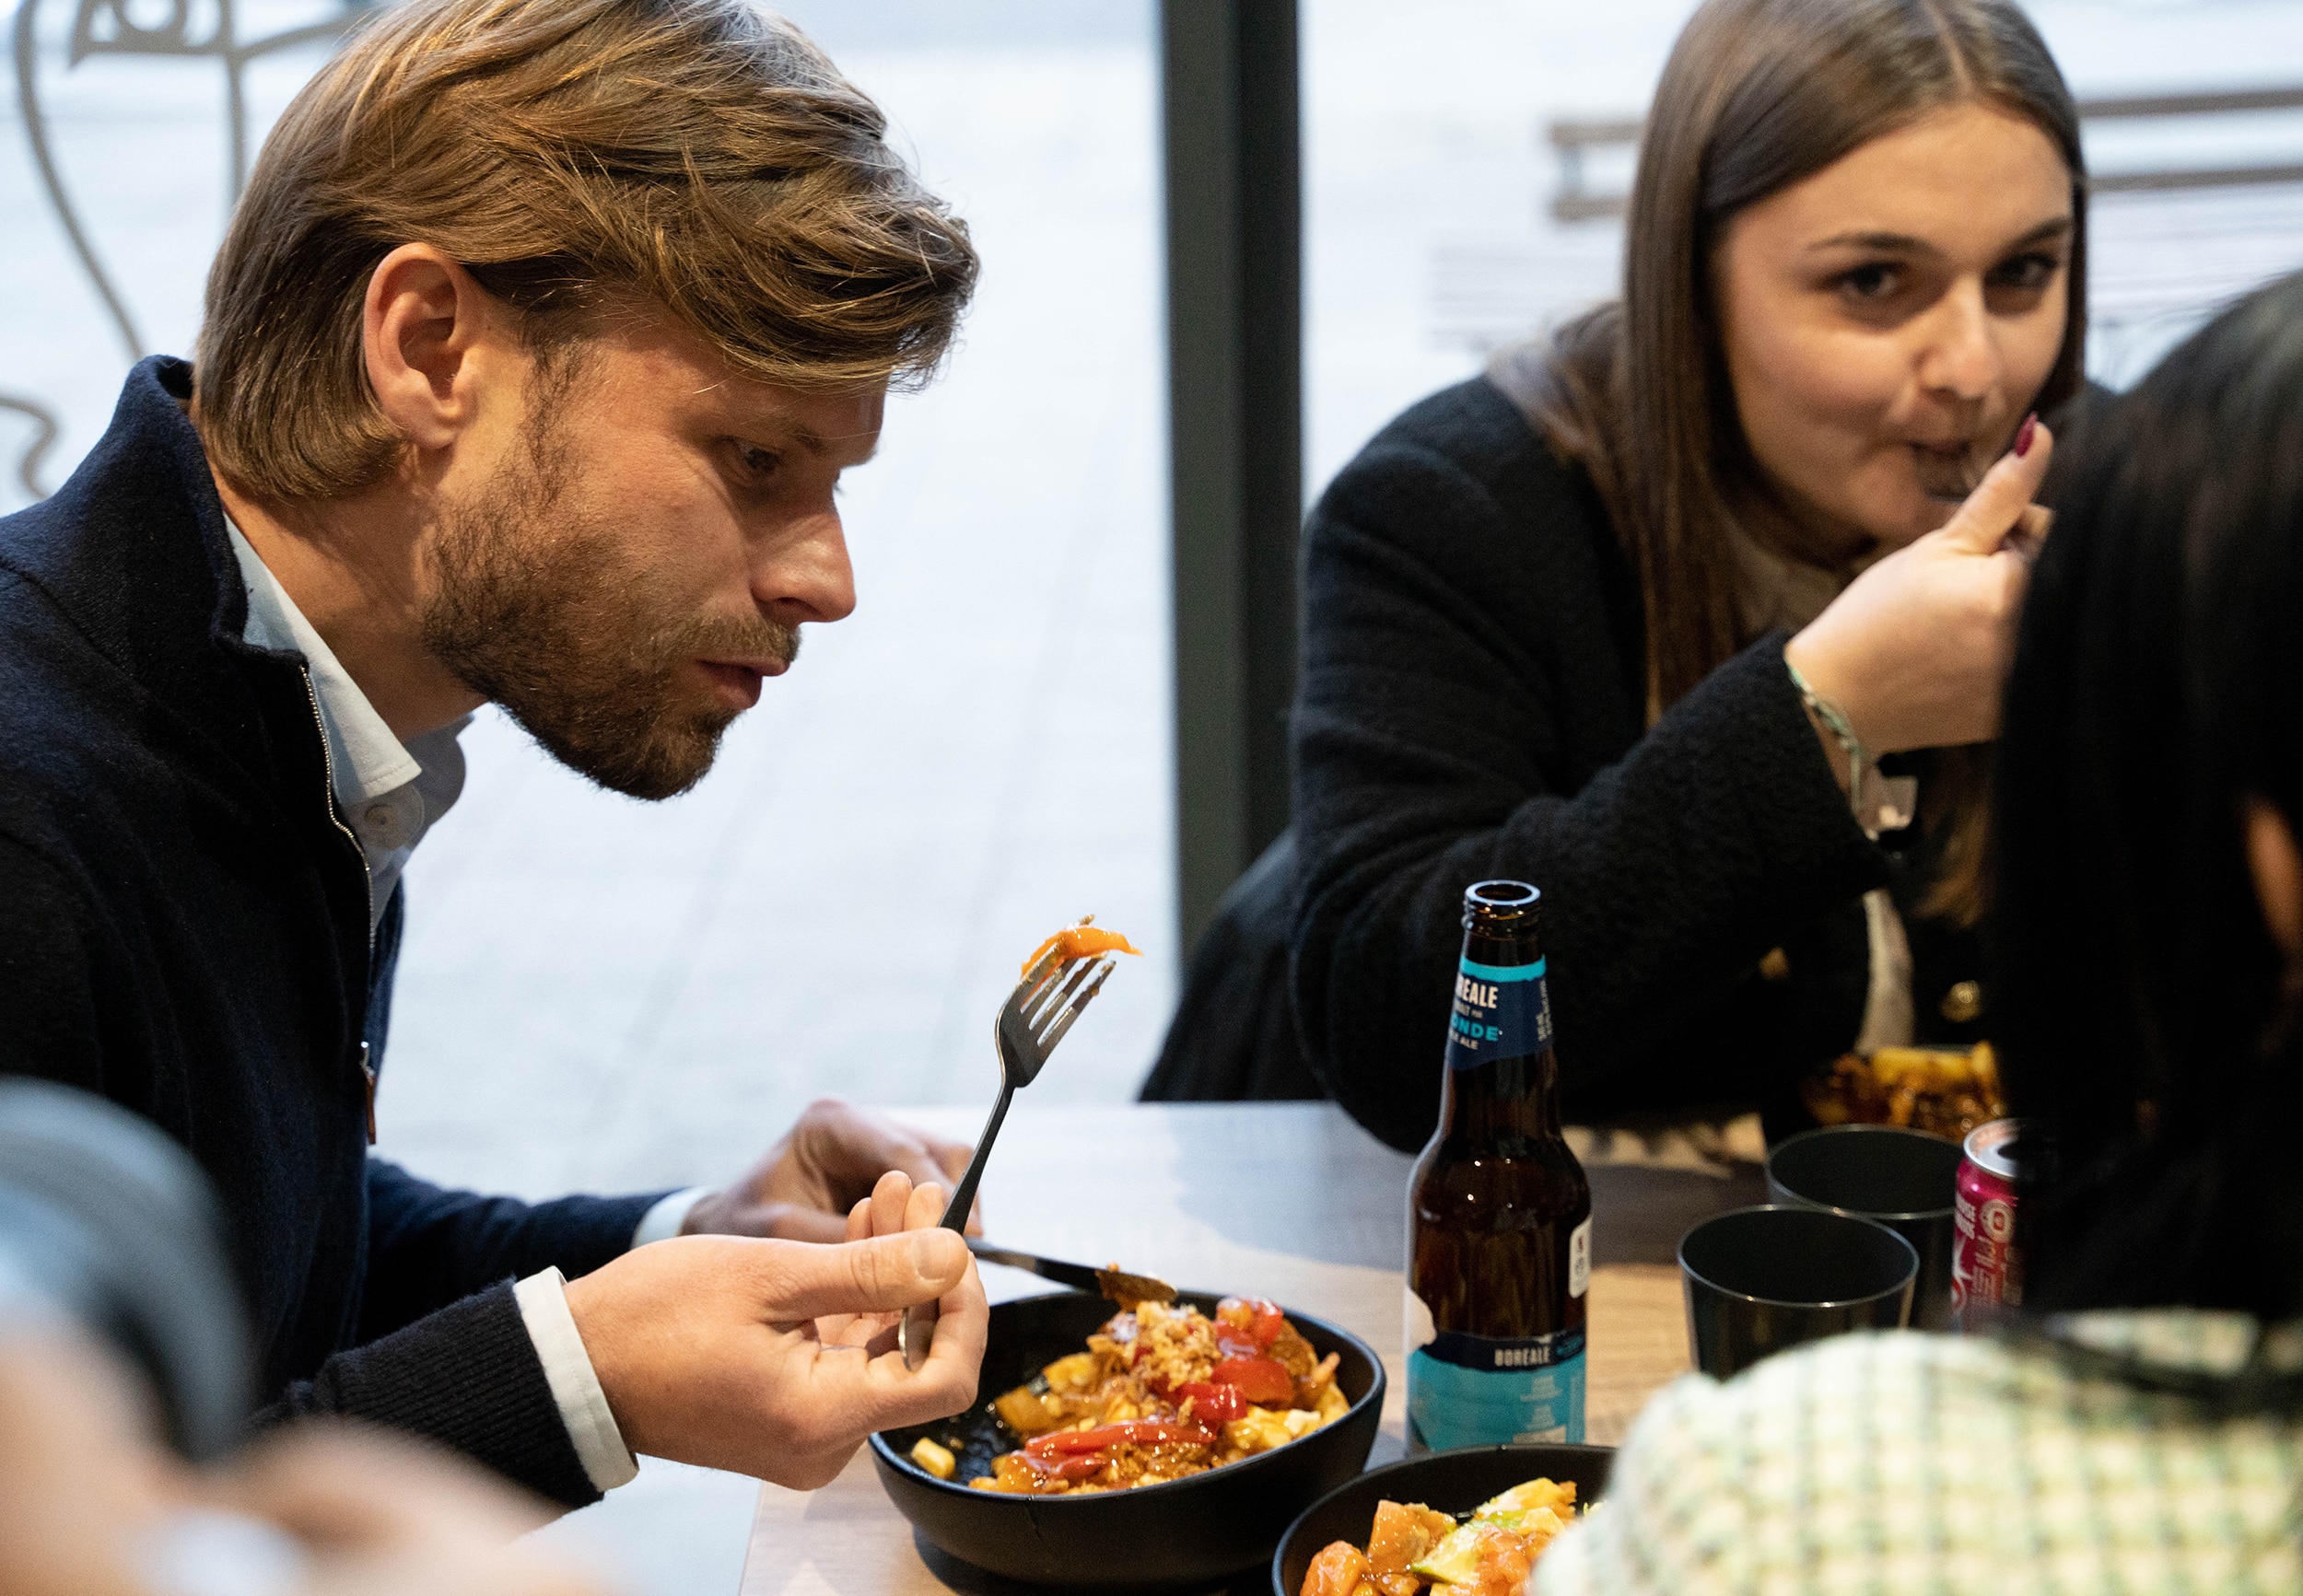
(1412,1547)
(1944,1091)
(1198,1531)
(1164,1392)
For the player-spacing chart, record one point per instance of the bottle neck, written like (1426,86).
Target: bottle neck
(1502,1007)
(1506,1099)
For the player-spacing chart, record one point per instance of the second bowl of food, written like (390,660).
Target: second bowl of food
(1170,1444)
(1475,1518)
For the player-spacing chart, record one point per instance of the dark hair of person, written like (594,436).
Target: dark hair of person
(2146,1039)
(1757,95)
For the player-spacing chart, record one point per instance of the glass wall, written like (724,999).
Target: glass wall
(129,125)
(1444,216)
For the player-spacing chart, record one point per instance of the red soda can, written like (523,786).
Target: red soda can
(1986,1271)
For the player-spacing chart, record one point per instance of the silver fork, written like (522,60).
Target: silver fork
(1032,1020)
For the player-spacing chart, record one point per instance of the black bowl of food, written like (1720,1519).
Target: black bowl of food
(1169,1495)
(1405,1515)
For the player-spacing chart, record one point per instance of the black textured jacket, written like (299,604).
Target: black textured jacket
(1472,705)
(185,928)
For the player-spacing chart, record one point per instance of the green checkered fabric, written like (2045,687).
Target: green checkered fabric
(1888,1463)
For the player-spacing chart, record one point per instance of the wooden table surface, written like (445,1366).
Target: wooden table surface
(1289,1201)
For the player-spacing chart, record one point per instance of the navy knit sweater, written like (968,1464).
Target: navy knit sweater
(183,928)
(1472,705)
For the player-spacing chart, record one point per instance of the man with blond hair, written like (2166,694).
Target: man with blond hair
(531,358)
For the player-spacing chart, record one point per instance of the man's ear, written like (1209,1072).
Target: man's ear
(425,320)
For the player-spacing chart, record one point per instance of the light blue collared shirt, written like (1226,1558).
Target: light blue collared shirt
(387,793)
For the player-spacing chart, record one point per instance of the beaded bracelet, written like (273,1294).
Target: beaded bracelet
(1879,802)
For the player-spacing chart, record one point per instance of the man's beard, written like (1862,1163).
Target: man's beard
(539,607)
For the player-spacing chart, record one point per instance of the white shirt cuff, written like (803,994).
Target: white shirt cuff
(542,1300)
(663,1219)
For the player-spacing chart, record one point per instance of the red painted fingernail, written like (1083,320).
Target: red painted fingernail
(2024,434)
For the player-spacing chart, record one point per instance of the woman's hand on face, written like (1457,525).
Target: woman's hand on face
(1916,649)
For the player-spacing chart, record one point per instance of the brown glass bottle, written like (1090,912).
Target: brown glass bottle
(1499,1211)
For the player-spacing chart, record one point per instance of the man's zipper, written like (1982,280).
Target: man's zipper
(328,768)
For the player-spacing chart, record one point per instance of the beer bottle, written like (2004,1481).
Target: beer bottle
(1499,1212)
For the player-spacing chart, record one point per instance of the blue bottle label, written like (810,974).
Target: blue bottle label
(1469,1391)
(1502,1011)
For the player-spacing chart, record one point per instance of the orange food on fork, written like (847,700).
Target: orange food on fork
(1084,940)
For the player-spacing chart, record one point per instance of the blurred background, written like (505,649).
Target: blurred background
(601,994)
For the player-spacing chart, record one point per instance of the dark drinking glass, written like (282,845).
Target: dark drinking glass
(1759,1280)
(1499,1212)
(1902,1179)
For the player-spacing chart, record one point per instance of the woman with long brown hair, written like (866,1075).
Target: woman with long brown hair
(1667,613)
